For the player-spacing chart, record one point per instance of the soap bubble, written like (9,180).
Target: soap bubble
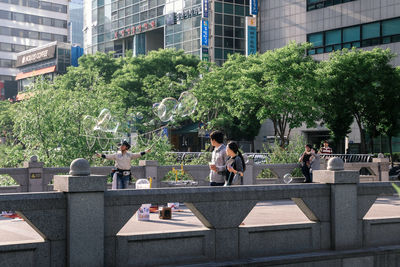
(287,178)
(88,123)
(106,122)
(166,109)
(102,120)
(155,108)
(139,115)
(187,104)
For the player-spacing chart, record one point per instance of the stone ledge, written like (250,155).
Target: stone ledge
(336,177)
(92,183)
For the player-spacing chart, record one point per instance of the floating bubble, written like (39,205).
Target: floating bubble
(166,109)
(102,120)
(287,178)
(102,139)
(155,108)
(187,104)
(106,122)
(88,123)
(139,115)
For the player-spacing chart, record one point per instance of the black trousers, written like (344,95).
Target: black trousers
(306,172)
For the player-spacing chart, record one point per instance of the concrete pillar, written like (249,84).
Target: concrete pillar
(344,204)
(248,177)
(35,175)
(383,167)
(151,170)
(85,214)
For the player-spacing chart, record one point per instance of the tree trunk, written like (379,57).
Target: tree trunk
(362,135)
(390,149)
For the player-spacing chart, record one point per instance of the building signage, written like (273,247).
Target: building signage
(204,54)
(170,19)
(253,7)
(186,14)
(135,30)
(36,56)
(36,175)
(204,6)
(251,35)
(204,33)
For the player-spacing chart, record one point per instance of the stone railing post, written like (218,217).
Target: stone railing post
(35,178)
(151,170)
(344,205)
(383,167)
(248,177)
(85,214)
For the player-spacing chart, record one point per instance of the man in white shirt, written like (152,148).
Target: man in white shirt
(218,159)
(123,164)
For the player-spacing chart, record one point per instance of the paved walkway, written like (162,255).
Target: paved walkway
(265,213)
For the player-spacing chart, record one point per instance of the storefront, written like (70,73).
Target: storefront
(45,61)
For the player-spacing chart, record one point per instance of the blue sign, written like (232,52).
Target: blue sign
(251,44)
(253,7)
(204,8)
(204,32)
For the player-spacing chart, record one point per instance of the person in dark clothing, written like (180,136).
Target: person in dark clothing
(305,163)
(235,165)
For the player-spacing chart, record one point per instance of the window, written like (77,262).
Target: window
(351,34)
(228,20)
(316,39)
(239,10)
(5,31)
(33,35)
(356,36)
(239,32)
(218,7)
(218,30)
(5,47)
(218,53)
(19,48)
(316,4)
(5,14)
(46,21)
(333,37)
(391,27)
(228,31)
(45,36)
(371,30)
(218,19)
(228,8)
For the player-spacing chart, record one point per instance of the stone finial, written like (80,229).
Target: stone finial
(33,159)
(381,156)
(335,164)
(79,167)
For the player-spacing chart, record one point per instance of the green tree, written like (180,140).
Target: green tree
(221,94)
(352,82)
(286,90)
(49,123)
(151,78)
(389,108)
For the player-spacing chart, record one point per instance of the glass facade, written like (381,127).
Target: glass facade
(376,33)
(185,34)
(131,19)
(38,4)
(229,28)
(317,4)
(15,16)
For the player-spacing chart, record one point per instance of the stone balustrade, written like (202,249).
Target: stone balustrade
(36,178)
(81,220)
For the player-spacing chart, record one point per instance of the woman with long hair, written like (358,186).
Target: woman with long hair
(235,165)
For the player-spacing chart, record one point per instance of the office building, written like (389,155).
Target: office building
(26,24)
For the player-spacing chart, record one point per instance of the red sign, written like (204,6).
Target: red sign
(135,29)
